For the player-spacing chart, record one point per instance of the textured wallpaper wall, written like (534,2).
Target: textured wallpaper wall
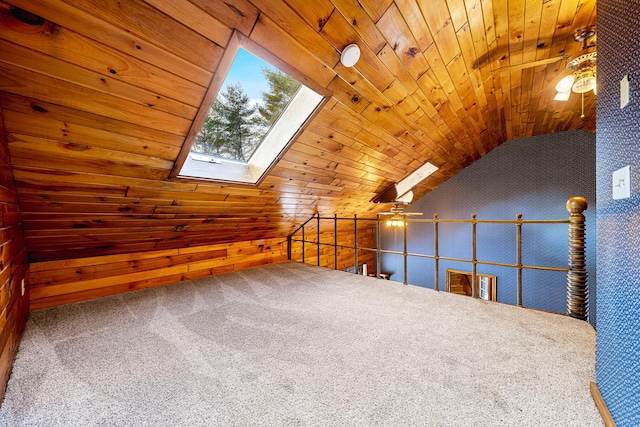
(618,221)
(533,176)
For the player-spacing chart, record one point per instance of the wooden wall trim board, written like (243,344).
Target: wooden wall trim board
(71,280)
(14,305)
(66,281)
(607,418)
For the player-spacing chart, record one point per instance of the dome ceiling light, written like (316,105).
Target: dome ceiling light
(350,55)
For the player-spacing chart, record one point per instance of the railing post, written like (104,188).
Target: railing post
(289,247)
(335,241)
(436,256)
(519,258)
(303,244)
(355,242)
(318,242)
(404,250)
(577,290)
(474,259)
(378,253)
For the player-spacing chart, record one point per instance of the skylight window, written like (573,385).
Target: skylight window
(257,112)
(403,187)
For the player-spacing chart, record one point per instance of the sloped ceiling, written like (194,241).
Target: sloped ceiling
(99,96)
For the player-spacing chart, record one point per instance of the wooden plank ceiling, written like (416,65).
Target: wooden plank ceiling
(98,97)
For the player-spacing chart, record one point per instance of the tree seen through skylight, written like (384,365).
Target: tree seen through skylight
(235,125)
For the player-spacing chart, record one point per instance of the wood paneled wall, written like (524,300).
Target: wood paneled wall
(65,281)
(13,266)
(99,97)
(345,257)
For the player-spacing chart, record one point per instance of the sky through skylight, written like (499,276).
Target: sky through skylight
(247,70)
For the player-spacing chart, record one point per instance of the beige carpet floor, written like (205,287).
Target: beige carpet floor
(297,345)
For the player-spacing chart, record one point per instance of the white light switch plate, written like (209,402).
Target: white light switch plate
(624,92)
(622,183)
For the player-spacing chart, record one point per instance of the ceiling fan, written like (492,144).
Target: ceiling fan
(530,64)
(583,67)
(582,35)
(398,215)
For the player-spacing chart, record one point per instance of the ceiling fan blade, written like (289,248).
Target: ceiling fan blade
(524,65)
(412,213)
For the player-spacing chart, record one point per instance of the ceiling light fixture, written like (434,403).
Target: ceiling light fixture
(583,64)
(395,221)
(585,72)
(562,96)
(350,55)
(398,216)
(566,83)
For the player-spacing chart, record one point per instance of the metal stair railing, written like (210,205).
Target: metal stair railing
(577,275)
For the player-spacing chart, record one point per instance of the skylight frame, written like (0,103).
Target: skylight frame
(414,178)
(238,172)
